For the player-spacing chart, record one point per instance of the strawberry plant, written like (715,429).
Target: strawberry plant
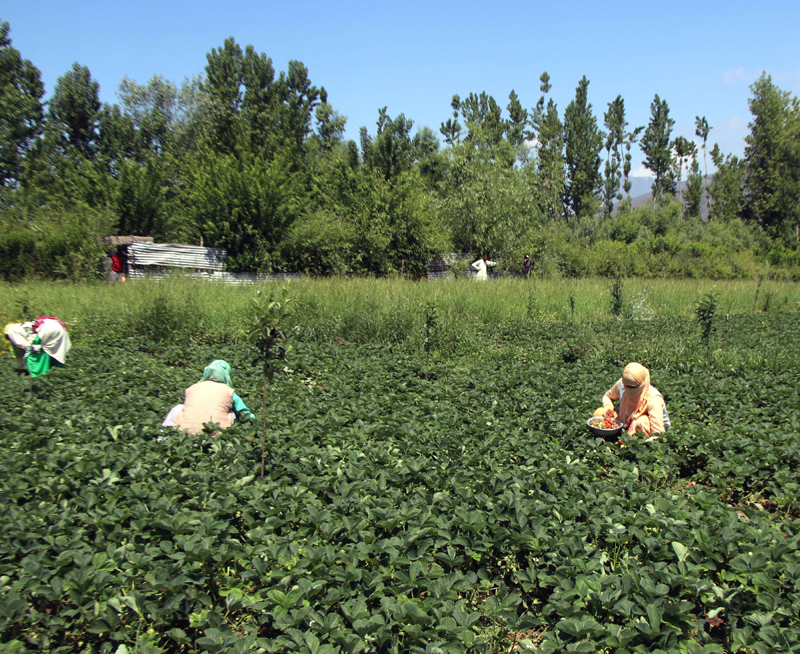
(463,507)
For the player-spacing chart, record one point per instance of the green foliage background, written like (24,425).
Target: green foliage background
(254,160)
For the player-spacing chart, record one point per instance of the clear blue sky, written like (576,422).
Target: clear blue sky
(412,57)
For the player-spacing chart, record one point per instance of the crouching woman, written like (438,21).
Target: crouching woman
(641,406)
(212,399)
(38,345)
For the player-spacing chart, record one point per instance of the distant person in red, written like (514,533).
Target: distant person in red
(117,272)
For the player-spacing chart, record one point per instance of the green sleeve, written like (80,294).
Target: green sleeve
(38,363)
(239,405)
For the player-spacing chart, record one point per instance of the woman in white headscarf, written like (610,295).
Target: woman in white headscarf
(641,406)
(38,345)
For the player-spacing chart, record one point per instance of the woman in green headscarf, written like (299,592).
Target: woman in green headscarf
(210,400)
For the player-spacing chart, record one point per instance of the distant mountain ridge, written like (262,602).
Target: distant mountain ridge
(640,186)
(642,193)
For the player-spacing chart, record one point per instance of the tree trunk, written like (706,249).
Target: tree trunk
(264,430)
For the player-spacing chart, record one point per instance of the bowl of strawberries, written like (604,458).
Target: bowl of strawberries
(604,426)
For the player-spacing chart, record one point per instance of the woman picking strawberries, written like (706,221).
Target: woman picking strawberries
(641,406)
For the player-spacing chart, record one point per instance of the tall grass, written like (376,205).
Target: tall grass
(377,310)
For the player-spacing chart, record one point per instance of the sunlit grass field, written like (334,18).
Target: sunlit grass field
(447,319)
(386,301)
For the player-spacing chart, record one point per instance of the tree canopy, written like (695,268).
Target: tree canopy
(254,159)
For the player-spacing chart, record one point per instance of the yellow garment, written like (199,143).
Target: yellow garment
(641,407)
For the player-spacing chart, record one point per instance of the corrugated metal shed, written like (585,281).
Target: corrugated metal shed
(126,240)
(236,279)
(174,255)
(450,266)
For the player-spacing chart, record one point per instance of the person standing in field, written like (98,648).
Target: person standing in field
(118,265)
(527,264)
(482,265)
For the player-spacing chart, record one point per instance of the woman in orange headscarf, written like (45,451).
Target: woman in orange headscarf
(641,406)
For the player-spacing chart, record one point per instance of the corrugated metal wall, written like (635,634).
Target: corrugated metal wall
(450,266)
(236,279)
(176,256)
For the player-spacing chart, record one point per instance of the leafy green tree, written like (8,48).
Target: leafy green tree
(330,123)
(224,80)
(483,119)
(615,123)
(139,100)
(583,141)
(21,112)
(772,159)
(118,139)
(488,207)
(726,191)
(656,146)
(300,99)
(431,163)
(192,122)
(249,178)
(74,112)
(244,203)
(63,169)
(250,108)
(152,109)
(140,199)
(392,150)
(486,129)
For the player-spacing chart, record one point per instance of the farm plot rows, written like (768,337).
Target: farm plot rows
(451,507)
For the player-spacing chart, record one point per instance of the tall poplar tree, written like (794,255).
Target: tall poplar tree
(615,123)
(630,138)
(549,138)
(583,141)
(451,129)
(694,185)
(702,129)
(683,148)
(656,146)
(516,125)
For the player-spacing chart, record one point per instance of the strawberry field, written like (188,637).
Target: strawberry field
(445,497)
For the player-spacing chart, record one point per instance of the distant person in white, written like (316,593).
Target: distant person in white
(482,265)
